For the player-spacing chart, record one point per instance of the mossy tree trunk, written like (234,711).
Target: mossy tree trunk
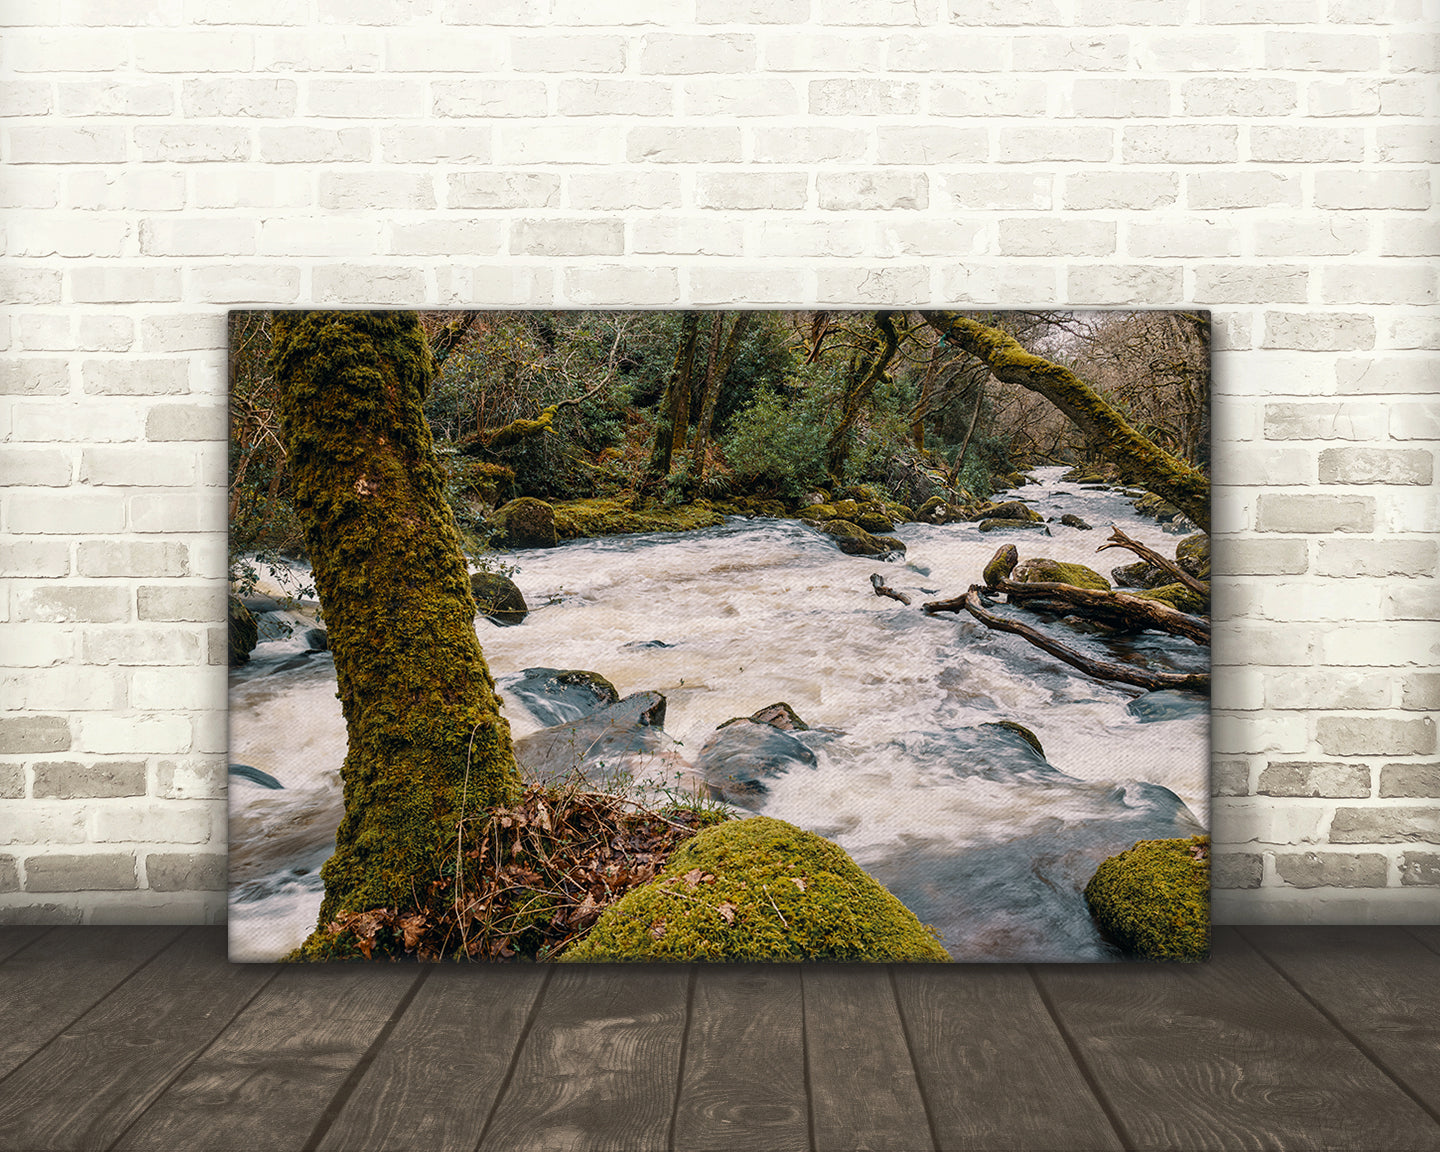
(1139,459)
(426,740)
(715,373)
(673,418)
(837,448)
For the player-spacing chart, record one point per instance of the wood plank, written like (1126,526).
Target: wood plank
(1379,984)
(863,1090)
(14,937)
(434,1083)
(1427,934)
(600,1065)
(61,975)
(744,1078)
(994,1069)
(267,1080)
(91,1082)
(1226,1055)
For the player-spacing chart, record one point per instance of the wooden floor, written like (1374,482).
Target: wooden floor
(1289,1038)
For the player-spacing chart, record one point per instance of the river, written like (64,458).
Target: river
(980,837)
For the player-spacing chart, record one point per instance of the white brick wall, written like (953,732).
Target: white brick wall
(1268,159)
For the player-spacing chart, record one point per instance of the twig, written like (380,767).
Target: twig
(878,583)
(1118,539)
(783,921)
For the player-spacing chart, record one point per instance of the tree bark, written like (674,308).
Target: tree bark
(671,420)
(837,448)
(426,743)
(715,376)
(1139,459)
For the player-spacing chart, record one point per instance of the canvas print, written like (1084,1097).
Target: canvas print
(603,636)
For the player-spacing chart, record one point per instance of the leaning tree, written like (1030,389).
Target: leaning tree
(427,744)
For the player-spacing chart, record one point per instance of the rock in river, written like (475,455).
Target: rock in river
(739,757)
(557,696)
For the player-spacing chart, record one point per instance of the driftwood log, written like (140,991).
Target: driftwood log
(1118,539)
(1100,669)
(1113,607)
(881,589)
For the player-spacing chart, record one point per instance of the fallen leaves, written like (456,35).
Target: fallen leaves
(727,912)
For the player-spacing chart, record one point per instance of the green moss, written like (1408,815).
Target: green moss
(576,519)
(1193,555)
(1042,570)
(1001,565)
(759,889)
(526,523)
(425,738)
(1154,899)
(855,541)
(244,632)
(1178,596)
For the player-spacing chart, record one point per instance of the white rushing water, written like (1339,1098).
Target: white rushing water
(989,847)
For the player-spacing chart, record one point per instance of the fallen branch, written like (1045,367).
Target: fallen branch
(878,583)
(494,439)
(1136,611)
(1118,539)
(1100,669)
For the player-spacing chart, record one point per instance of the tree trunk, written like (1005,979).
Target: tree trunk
(1139,459)
(714,377)
(837,448)
(674,413)
(427,744)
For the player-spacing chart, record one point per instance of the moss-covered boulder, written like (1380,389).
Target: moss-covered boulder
(1179,597)
(244,632)
(526,523)
(873,518)
(855,541)
(778,715)
(1020,730)
(497,598)
(1137,575)
(1042,570)
(1070,520)
(934,511)
(1192,554)
(1153,900)
(1008,510)
(559,695)
(759,889)
(580,519)
(1001,565)
(998,525)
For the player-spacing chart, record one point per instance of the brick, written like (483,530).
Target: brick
(138,735)
(1309,235)
(492,189)
(189,50)
(553,52)
(161,689)
(560,237)
(882,12)
(373,191)
(1230,778)
(1231,96)
(376,12)
(135,377)
(993,285)
(67,144)
(171,512)
(1420,691)
(1408,144)
(1130,189)
(95,872)
(1333,688)
(863,96)
(32,237)
(1410,780)
(807,50)
(35,468)
(1332,869)
(12,782)
(1386,825)
(130,285)
(72,603)
(489,98)
(1189,238)
(1376,466)
(1322,52)
(1294,144)
(871,191)
(30,913)
(95,421)
(1086,52)
(1348,97)
(35,558)
(622,190)
(185,871)
(446,238)
(1420,868)
(251,186)
(989,96)
(673,54)
(680,236)
(1056,237)
(728,286)
(492,285)
(752,190)
(559,144)
(1026,145)
(9,874)
(845,239)
(178,602)
(1236,869)
(70,780)
(1325,421)
(1196,50)
(1279,512)
(1389,283)
(868,285)
(1267,822)
(133,646)
(1180,144)
(374,97)
(1302,778)
(193,778)
(932,144)
(1383,558)
(1415,421)
(612,284)
(185,422)
(1238,284)
(22,734)
(1375,736)
(1372,190)
(923,237)
(1107,98)
(27,98)
(303,144)
(209,237)
(594,97)
(367,285)
(192,143)
(172,822)
(234,97)
(1410,237)
(1122,284)
(69,689)
(752,11)
(1000,191)
(1242,189)
(30,285)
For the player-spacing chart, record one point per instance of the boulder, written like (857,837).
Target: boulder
(317,640)
(1001,565)
(778,715)
(1153,900)
(1192,555)
(1070,520)
(1000,525)
(615,745)
(1137,575)
(557,696)
(933,511)
(758,890)
(855,541)
(1179,596)
(244,632)
(497,598)
(873,518)
(1167,704)
(1009,510)
(1042,570)
(526,523)
(1019,730)
(739,756)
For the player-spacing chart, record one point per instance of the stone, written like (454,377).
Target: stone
(557,696)
(1153,900)
(738,757)
(526,523)
(855,541)
(498,599)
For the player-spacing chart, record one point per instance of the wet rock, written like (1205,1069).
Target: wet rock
(1001,565)
(1137,575)
(1043,570)
(737,759)
(1009,510)
(525,523)
(556,696)
(638,644)
(621,743)
(1167,704)
(999,525)
(855,541)
(317,640)
(1070,520)
(1019,730)
(1153,900)
(1192,555)
(244,632)
(872,518)
(498,599)
(255,776)
(778,715)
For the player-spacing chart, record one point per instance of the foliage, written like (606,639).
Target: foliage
(777,442)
